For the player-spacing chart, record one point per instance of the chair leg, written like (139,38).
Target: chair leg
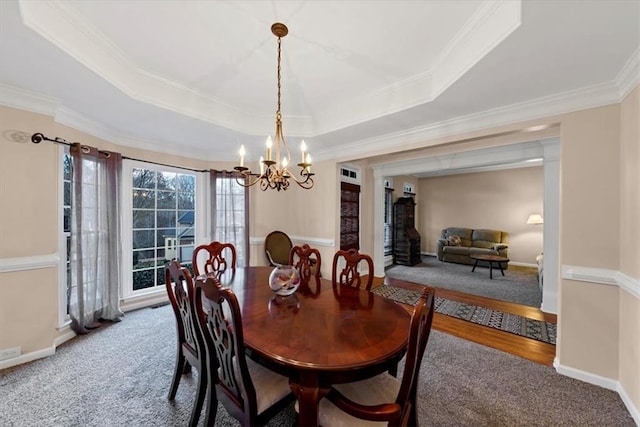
(177,373)
(201,394)
(212,405)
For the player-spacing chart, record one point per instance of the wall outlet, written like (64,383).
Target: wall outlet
(9,353)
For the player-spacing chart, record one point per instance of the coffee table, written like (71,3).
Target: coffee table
(491,259)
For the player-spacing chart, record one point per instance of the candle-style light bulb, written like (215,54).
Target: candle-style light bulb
(269,145)
(242,153)
(261,165)
(285,162)
(303,148)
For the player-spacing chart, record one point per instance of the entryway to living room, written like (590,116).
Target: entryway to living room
(496,192)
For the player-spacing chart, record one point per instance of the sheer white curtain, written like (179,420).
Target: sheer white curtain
(230,213)
(95,237)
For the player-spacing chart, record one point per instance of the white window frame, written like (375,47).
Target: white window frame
(201,224)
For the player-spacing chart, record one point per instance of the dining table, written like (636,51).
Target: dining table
(323,334)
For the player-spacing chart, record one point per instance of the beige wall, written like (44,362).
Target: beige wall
(500,200)
(629,370)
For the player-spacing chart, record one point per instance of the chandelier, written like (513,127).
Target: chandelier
(274,167)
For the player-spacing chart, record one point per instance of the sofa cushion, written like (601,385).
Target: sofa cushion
(460,250)
(483,251)
(494,236)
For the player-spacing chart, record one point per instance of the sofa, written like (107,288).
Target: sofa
(456,244)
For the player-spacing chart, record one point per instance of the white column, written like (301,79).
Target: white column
(378,222)
(551,230)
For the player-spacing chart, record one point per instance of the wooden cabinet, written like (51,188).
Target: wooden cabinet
(406,239)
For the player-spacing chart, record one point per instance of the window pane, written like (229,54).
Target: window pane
(186,183)
(166,219)
(186,200)
(143,259)
(185,254)
(143,178)
(143,218)
(143,239)
(166,181)
(143,279)
(161,276)
(166,200)
(144,199)
(67,220)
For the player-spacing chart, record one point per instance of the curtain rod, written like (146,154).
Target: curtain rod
(37,138)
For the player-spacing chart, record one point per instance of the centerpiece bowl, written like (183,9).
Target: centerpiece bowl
(284,280)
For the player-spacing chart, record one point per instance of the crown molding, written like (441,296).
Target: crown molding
(14,97)
(566,102)
(629,77)
(22,99)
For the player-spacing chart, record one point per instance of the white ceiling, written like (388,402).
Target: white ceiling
(198,78)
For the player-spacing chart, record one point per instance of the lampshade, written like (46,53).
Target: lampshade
(535,219)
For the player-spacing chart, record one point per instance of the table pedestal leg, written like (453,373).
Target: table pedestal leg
(490,269)
(309,392)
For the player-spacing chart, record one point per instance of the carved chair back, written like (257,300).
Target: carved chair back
(191,350)
(219,257)
(349,274)
(307,260)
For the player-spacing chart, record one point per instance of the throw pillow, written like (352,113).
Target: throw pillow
(453,239)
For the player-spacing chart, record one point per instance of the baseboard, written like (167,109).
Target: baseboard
(131,304)
(597,380)
(28,357)
(633,410)
(69,334)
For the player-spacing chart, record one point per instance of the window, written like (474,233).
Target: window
(162,224)
(230,220)
(64,247)
(388,221)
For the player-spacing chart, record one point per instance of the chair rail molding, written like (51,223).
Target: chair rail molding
(602,276)
(311,241)
(29,263)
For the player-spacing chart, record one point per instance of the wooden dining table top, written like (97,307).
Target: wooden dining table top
(317,328)
(319,336)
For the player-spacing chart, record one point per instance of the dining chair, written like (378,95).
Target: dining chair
(349,274)
(383,399)
(277,246)
(307,260)
(219,257)
(250,392)
(191,350)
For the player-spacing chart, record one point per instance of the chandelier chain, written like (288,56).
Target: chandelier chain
(279,43)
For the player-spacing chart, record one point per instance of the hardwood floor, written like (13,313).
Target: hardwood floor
(527,348)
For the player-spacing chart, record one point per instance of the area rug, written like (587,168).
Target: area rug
(523,326)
